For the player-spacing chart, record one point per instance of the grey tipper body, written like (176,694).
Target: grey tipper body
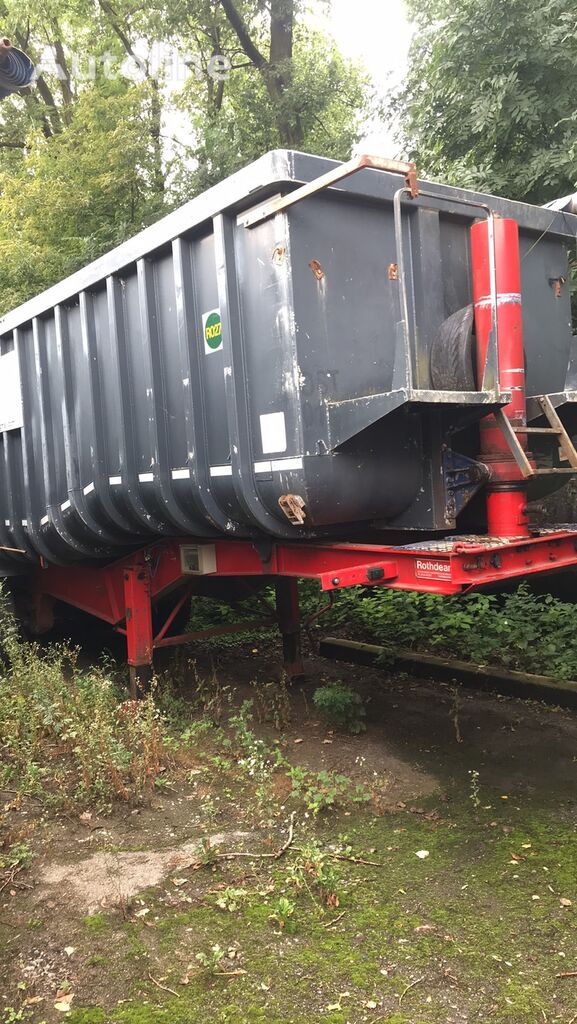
(194,378)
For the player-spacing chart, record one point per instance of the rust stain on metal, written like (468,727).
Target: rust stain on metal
(278,255)
(293,507)
(557,284)
(393,272)
(317,269)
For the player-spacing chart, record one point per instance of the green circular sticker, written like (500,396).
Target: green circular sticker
(213,331)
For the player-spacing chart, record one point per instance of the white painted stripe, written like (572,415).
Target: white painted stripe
(279,464)
(503,299)
(114,480)
(65,505)
(181,474)
(146,478)
(89,488)
(221,470)
(44,520)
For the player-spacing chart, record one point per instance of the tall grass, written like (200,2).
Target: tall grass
(65,733)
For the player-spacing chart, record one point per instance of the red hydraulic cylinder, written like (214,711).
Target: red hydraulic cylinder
(497,290)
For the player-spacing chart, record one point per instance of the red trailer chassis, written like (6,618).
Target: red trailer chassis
(124,592)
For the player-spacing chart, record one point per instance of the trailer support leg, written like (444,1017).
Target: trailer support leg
(139,635)
(288,613)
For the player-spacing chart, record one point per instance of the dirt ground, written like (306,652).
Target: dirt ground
(452,893)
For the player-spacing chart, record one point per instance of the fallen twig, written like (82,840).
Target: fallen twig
(351,860)
(229,974)
(164,988)
(16,792)
(409,987)
(264,856)
(13,870)
(356,860)
(330,924)
(567,974)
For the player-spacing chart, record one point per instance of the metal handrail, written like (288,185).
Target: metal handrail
(377,163)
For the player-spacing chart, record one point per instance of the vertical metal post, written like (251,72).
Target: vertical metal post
(139,635)
(497,302)
(288,613)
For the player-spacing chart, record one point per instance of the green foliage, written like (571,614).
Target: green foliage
(87,159)
(282,912)
(63,734)
(314,869)
(231,899)
(331,95)
(76,196)
(490,100)
(517,631)
(15,855)
(324,790)
(12,1016)
(341,706)
(211,960)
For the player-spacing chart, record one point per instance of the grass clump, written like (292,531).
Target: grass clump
(341,706)
(64,736)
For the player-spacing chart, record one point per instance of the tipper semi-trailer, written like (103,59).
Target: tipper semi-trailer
(323,370)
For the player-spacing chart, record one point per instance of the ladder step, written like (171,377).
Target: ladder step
(553,472)
(537,430)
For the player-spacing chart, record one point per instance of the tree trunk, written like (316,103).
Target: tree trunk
(277,71)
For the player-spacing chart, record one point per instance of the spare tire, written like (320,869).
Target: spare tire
(452,353)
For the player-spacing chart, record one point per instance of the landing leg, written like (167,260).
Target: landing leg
(140,681)
(139,635)
(288,612)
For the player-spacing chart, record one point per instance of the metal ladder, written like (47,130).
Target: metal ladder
(555,429)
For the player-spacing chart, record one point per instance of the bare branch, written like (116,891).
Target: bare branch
(237,23)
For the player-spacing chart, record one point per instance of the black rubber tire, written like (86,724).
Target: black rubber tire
(452,353)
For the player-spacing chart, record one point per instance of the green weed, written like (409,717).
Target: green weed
(341,706)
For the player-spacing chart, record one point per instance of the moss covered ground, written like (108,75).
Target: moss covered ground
(449,894)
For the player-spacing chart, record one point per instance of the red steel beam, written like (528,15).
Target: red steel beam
(444,567)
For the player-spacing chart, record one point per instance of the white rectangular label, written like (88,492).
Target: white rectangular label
(10,392)
(273,433)
(432,569)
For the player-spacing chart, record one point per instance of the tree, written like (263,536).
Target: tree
(247,124)
(86,159)
(490,101)
(71,199)
(288,86)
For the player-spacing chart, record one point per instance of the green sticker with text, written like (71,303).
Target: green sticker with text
(212,330)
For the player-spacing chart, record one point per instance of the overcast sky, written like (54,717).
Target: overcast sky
(378,33)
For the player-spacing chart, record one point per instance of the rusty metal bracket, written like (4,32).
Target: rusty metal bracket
(377,163)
